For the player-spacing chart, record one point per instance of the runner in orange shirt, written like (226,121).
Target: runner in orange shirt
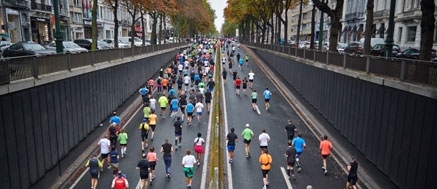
(164,84)
(325,151)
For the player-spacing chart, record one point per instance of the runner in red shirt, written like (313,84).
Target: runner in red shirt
(325,151)
(237,85)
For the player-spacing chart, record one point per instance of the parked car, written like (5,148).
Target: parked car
(354,48)
(137,41)
(379,49)
(413,53)
(69,47)
(27,49)
(4,45)
(341,47)
(121,44)
(86,43)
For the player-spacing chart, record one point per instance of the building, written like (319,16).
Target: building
(354,12)
(76,19)
(15,20)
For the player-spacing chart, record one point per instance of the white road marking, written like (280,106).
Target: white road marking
(287,181)
(225,115)
(257,110)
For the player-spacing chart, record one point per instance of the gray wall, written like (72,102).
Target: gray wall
(40,125)
(393,128)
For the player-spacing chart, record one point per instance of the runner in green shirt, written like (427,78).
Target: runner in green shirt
(163,101)
(247,135)
(122,138)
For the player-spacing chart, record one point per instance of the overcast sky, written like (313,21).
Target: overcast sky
(218,6)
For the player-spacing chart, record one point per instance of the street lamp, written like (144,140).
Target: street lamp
(321,29)
(58,34)
(391,26)
(313,24)
(299,23)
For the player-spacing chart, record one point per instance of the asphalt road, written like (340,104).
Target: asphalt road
(246,173)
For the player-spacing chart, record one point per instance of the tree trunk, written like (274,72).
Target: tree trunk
(132,29)
(286,26)
(143,29)
(94,31)
(335,21)
(160,29)
(313,26)
(154,23)
(165,28)
(272,31)
(369,23)
(299,21)
(116,26)
(427,29)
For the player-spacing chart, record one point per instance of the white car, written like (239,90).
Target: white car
(340,47)
(69,47)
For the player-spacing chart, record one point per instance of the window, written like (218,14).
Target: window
(400,35)
(411,33)
(435,35)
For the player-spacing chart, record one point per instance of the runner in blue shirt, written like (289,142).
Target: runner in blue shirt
(172,91)
(174,107)
(299,144)
(267,95)
(190,109)
(196,79)
(115,119)
(241,61)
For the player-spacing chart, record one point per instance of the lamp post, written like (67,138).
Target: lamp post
(58,34)
(299,23)
(321,29)
(391,25)
(313,24)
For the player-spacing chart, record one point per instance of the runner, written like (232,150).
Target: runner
(122,139)
(151,83)
(267,95)
(290,128)
(352,176)
(223,59)
(230,65)
(146,111)
(115,119)
(105,147)
(143,91)
(254,99)
(120,181)
(251,76)
(299,145)
(159,84)
(190,110)
(153,119)
(163,101)
(164,83)
(199,109)
(187,80)
(240,61)
(232,138)
(244,86)
(95,166)
(237,86)
(264,139)
(174,107)
(143,167)
(224,74)
(180,82)
(152,103)
(234,74)
(325,151)
(177,133)
(265,160)
(290,154)
(247,135)
(114,157)
(144,128)
(247,59)
(208,97)
(188,162)
(198,147)
(167,149)
(211,85)
(151,157)
(183,104)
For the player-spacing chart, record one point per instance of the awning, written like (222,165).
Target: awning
(139,31)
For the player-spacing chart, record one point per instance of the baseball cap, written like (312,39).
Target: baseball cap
(247,124)
(144,119)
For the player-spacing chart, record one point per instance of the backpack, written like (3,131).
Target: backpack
(120,183)
(112,132)
(94,166)
(144,126)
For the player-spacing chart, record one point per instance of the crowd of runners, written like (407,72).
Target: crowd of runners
(183,91)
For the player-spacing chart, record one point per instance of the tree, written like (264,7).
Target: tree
(133,8)
(427,26)
(94,31)
(335,15)
(114,4)
(369,24)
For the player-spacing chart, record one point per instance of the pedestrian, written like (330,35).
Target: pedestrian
(153,120)
(151,157)
(237,85)
(264,139)
(251,76)
(211,85)
(241,61)
(114,158)
(186,82)
(234,74)
(163,101)
(232,138)
(290,128)
(120,181)
(299,144)
(198,147)
(152,103)
(178,133)
(159,84)
(122,139)
(95,166)
(151,83)
(113,133)
(143,167)
(143,91)
(167,149)
(105,147)
(144,128)
(115,119)
(265,159)
(290,154)
(254,99)
(325,151)
(199,108)
(182,104)
(190,110)
(352,176)
(174,107)
(247,59)
(224,74)
(244,85)
(247,135)
(267,95)
(188,162)
(164,83)
(208,97)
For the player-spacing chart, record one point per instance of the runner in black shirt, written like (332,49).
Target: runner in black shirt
(232,138)
(167,149)
(290,128)
(208,97)
(177,132)
(352,177)
(143,167)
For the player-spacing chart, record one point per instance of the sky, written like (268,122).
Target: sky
(218,6)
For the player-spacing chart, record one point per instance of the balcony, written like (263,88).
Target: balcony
(41,7)
(16,3)
(381,14)
(354,16)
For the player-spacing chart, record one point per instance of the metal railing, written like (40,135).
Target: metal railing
(414,71)
(12,69)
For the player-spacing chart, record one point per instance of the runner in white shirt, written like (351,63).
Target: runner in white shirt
(180,68)
(188,162)
(251,76)
(105,145)
(187,80)
(264,139)
(199,107)
(152,102)
(223,60)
